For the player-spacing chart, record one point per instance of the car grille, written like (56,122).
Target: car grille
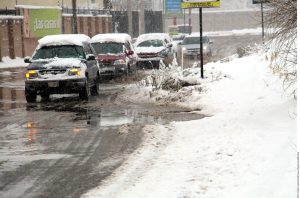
(53,72)
(193,50)
(148,55)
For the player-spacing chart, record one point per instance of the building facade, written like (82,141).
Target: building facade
(136,4)
(90,4)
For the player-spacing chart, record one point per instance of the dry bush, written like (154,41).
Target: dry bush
(281,18)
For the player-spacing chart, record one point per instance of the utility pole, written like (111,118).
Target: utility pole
(74,18)
(129,13)
(142,17)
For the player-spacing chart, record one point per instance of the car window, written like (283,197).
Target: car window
(64,51)
(194,40)
(87,49)
(108,48)
(151,43)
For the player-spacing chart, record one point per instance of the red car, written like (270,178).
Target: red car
(116,55)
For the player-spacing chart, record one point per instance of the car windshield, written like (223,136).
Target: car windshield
(108,48)
(194,40)
(151,43)
(63,51)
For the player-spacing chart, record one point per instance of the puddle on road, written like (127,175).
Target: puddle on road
(98,111)
(12,89)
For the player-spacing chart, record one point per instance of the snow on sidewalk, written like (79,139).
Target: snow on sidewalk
(12,63)
(246,149)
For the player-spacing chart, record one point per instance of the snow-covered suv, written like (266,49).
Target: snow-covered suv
(115,53)
(62,64)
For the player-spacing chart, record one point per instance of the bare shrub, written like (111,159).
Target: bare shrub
(281,18)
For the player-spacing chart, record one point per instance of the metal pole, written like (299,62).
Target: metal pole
(262,21)
(184,21)
(190,21)
(201,42)
(74,18)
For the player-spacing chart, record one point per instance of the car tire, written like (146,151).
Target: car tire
(95,89)
(30,96)
(85,92)
(45,96)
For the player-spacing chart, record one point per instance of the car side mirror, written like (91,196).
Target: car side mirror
(211,42)
(170,45)
(90,57)
(180,43)
(27,59)
(130,53)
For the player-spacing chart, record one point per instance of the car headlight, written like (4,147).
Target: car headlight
(163,53)
(119,62)
(74,72)
(204,47)
(183,49)
(31,74)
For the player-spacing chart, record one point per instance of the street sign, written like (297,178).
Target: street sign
(256,1)
(200,4)
(172,6)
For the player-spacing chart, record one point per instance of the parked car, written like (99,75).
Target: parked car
(190,46)
(62,64)
(115,53)
(152,48)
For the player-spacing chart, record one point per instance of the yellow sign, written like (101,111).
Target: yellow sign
(209,4)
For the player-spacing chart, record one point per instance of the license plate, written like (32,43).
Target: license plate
(53,84)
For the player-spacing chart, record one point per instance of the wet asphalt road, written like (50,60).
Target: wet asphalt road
(64,147)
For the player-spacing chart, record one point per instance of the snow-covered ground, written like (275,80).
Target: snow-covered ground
(244,148)
(12,63)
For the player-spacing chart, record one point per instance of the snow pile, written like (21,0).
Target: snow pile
(12,63)
(247,148)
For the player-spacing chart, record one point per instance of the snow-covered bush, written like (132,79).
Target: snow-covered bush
(171,78)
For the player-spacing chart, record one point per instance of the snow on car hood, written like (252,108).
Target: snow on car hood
(64,62)
(149,49)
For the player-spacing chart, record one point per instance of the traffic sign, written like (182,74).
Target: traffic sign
(172,6)
(200,4)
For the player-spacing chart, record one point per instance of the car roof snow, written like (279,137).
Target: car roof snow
(64,39)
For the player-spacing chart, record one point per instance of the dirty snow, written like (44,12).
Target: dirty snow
(246,147)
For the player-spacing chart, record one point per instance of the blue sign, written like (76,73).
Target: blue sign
(173,6)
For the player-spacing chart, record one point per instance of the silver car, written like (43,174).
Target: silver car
(190,46)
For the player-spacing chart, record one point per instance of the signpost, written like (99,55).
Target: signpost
(200,4)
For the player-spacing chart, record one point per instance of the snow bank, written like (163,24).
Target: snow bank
(12,63)
(246,148)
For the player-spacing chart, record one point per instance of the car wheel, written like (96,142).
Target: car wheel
(95,88)
(45,96)
(85,92)
(30,96)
